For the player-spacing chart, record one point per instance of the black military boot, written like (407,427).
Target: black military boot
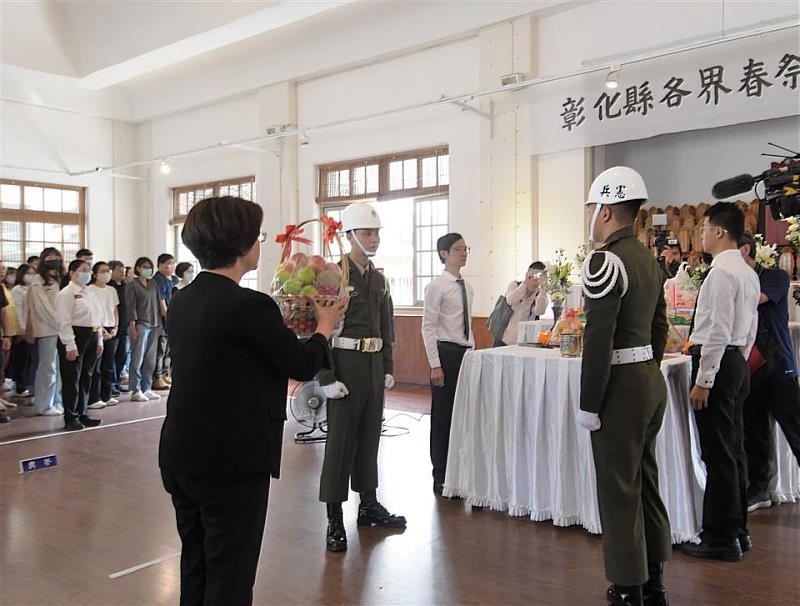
(653,591)
(624,595)
(372,513)
(337,537)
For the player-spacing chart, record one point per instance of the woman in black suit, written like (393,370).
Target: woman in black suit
(217,454)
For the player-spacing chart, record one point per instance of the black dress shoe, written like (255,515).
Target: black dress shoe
(336,538)
(4,418)
(620,595)
(88,421)
(653,591)
(73,425)
(372,513)
(745,543)
(731,552)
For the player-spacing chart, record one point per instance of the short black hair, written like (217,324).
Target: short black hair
(112,265)
(625,212)
(182,268)
(142,261)
(538,266)
(220,230)
(97,266)
(75,265)
(21,271)
(729,217)
(444,243)
(750,239)
(165,258)
(32,259)
(84,252)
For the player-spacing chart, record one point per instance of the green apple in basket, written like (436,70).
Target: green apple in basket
(309,291)
(293,286)
(306,275)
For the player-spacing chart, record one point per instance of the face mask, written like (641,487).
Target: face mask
(148,273)
(84,277)
(104,278)
(53,263)
(11,280)
(28,279)
(188,276)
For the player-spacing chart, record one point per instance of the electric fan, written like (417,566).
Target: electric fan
(308,406)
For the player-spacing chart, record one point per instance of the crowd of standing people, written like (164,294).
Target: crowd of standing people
(78,334)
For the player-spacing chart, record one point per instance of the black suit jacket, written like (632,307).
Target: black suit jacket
(232,357)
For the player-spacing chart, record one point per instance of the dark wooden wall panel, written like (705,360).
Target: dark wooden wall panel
(410,361)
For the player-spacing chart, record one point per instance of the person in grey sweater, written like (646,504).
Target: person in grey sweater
(143,330)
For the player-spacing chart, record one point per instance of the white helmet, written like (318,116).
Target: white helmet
(615,185)
(360,216)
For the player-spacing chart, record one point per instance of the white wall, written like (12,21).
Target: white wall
(681,168)
(426,75)
(54,142)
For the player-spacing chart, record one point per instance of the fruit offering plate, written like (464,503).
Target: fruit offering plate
(301,279)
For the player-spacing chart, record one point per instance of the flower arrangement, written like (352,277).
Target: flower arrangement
(765,253)
(558,281)
(580,256)
(698,275)
(793,233)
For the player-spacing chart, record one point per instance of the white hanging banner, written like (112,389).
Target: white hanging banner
(730,83)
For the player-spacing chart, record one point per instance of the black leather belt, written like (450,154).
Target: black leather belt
(695,350)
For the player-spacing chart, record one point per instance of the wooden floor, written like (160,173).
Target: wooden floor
(103,510)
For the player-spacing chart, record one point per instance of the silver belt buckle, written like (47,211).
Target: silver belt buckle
(369,344)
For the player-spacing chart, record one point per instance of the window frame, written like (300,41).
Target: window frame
(384,186)
(179,218)
(24,216)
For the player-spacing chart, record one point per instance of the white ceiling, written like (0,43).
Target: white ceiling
(164,56)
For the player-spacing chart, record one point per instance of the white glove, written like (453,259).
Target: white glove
(337,332)
(589,420)
(388,381)
(335,391)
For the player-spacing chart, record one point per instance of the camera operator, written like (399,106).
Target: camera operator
(773,382)
(670,258)
(527,299)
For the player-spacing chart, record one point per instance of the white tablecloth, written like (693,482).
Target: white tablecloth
(515,445)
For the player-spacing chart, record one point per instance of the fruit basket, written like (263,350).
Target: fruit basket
(300,279)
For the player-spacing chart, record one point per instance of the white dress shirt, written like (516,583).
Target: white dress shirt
(76,306)
(443,315)
(526,307)
(726,314)
(107,300)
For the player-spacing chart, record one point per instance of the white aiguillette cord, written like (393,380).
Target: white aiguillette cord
(608,274)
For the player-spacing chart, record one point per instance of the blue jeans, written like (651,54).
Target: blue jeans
(143,358)
(48,378)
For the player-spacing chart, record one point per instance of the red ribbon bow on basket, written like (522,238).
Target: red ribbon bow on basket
(329,231)
(292,234)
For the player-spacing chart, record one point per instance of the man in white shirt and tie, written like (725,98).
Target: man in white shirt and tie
(725,323)
(447,334)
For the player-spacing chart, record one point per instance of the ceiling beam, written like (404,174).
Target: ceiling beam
(271,18)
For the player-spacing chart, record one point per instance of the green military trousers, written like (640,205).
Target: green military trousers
(354,427)
(635,522)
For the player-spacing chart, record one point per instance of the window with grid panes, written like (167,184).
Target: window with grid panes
(407,254)
(184,198)
(34,216)
(410,191)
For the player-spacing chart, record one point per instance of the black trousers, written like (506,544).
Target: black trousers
(19,366)
(721,430)
(121,356)
(772,395)
(76,376)
(163,361)
(221,525)
(442,398)
(104,376)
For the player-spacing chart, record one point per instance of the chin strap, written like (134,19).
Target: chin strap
(605,277)
(355,237)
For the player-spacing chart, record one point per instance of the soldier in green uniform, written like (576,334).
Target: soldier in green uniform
(362,362)
(623,394)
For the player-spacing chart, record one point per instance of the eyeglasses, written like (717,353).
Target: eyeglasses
(461,249)
(262,237)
